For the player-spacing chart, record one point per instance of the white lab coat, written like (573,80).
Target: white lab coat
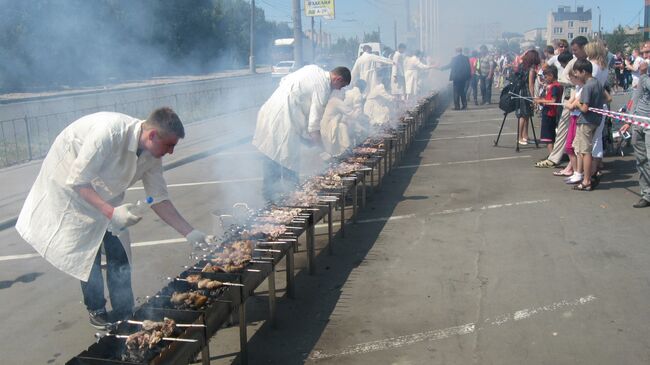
(412,67)
(378,105)
(98,149)
(334,129)
(366,68)
(397,74)
(293,111)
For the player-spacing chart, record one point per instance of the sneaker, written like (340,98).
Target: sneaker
(98,318)
(574,179)
(642,204)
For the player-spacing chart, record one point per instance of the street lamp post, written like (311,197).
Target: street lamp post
(600,36)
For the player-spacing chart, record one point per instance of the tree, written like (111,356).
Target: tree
(618,41)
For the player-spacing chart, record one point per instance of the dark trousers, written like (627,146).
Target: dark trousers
(487,97)
(277,180)
(473,83)
(460,97)
(118,280)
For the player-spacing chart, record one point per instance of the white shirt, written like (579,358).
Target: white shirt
(294,110)
(365,68)
(412,67)
(98,149)
(397,74)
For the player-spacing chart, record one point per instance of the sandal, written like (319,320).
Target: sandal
(545,164)
(562,173)
(582,187)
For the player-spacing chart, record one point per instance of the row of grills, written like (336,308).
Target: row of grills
(213,291)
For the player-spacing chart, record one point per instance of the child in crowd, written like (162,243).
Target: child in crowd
(572,104)
(550,113)
(592,95)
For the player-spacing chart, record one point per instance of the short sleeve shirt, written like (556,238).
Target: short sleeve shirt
(592,95)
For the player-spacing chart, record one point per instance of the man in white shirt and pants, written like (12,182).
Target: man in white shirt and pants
(367,66)
(291,118)
(75,204)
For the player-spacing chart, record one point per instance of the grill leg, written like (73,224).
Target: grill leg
(330,232)
(205,351)
(343,215)
(311,254)
(272,298)
(355,200)
(243,337)
(363,189)
(290,278)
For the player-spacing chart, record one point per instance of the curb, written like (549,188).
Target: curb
(11,222)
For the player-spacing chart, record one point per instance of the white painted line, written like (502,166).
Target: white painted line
(19,257)
(322,225)
(464,137)
(443,212)
(401,341)
(471,121)
(213,182)
(461,162)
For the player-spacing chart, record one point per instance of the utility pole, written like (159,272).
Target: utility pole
(646,21)
(297,34)
(251,57)
(320,35)
(408,16)
(313,44)
(395,32)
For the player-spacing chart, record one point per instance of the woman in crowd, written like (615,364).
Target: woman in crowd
(525,77)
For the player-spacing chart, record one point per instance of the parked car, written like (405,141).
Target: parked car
(283,68)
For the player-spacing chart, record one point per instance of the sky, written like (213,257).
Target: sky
(353,17)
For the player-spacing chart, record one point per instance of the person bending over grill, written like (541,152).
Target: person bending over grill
(291,118)
(75,205)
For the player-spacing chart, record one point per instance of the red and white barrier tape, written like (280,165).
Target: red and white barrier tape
(626,118)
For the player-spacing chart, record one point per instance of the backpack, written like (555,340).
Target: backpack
(507,102)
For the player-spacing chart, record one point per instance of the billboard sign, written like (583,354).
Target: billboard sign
(319,8)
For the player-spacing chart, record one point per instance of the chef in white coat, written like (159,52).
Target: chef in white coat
(291,118)
(397,82)
(367,66)
(75,204)
(412,67)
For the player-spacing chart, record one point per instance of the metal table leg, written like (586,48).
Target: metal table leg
(343,214)
(330,230)
(363,189)
(272,297)
(355,200)
(205,351)
(243,337)
(311,254)
(291,291)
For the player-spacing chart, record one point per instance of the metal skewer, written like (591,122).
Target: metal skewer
(99,336)
(176,324)
(225,283)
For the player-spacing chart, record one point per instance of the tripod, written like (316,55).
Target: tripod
(505,115)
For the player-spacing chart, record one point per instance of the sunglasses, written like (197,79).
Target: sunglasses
(561,46)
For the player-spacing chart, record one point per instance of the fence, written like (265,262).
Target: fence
(29,137)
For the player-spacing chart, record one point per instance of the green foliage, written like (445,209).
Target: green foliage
(345,48)
(618,41)
(54,43)
(371,37)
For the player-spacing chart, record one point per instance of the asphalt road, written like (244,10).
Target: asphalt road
(467,255)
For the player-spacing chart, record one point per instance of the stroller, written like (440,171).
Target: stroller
(613,142)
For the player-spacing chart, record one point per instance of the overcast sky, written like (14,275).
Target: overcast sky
(353,17)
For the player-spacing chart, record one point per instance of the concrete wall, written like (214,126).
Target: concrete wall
(28,127)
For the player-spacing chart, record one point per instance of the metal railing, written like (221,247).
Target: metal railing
(30,137)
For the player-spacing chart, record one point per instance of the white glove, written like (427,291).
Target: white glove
(123,218)
(198,237)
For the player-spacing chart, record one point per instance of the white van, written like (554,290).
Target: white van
(375,46)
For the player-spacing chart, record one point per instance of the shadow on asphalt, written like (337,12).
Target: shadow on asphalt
(319,298)
(25,278)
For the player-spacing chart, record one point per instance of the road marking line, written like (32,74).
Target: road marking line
(322,225)
(461,162)
(464,137)
(470,121)
(401,341)
(443,212)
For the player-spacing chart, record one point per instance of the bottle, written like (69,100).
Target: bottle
(142,206)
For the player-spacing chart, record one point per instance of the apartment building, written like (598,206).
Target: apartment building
(567,24)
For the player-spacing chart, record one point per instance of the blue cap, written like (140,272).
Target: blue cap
(149,200)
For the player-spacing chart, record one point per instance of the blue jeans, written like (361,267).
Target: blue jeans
(118,279)
(278,180)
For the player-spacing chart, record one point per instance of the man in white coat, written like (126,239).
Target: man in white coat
(75,204)
(397,83)
(291,118)
(412,67)
(367,66)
